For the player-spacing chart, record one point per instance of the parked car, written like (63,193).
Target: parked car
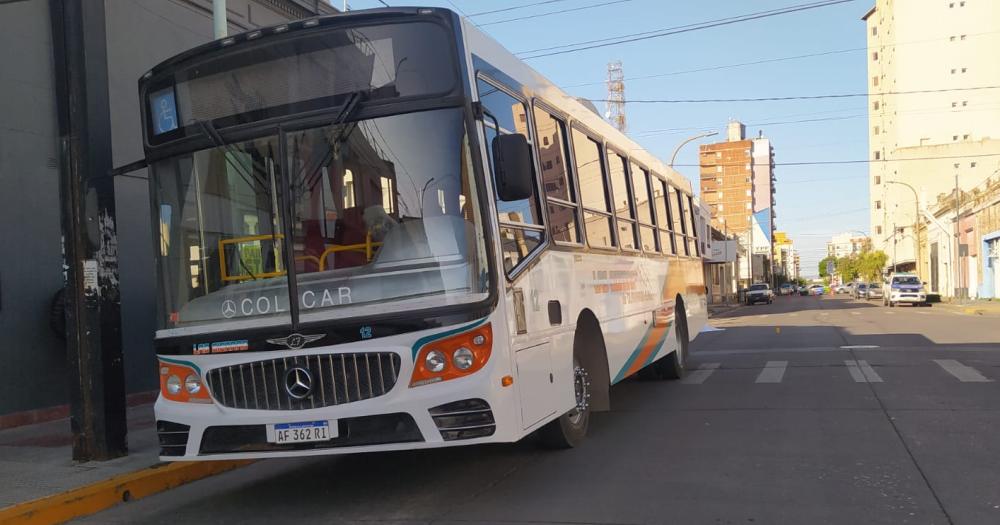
(904,288)
(803,290)
(759,293)
(786,289)
(860,290)
(816,289)
(874,291)
(840,288)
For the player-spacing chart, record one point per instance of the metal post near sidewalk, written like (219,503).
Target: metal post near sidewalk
(87,193)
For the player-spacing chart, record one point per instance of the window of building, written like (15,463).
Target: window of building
(875,105)
(965,137)
(874,56)
(964,69)
(598,223)
(954,137)
(952,38)
(876,130)
(878,230)
(955,165)
(878,205)
(972,164)
(878,179)
(952,71)
(521,228)
(965,103)
(961,37)
(875,81)
(623,201)
(878,155)
(954,104)
(874,30)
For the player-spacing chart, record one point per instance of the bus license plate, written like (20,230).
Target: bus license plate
(301,432)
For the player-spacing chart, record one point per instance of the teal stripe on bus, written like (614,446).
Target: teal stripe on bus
(652,356)
(635,354)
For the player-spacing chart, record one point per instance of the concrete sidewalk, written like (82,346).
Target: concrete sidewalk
(40,482)
(972,307)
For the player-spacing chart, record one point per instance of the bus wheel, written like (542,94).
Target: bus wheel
(569,429)
(674,365)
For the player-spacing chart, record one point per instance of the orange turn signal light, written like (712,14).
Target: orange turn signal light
(506,380)
(454,356)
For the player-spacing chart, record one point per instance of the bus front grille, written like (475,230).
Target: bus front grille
(304,382)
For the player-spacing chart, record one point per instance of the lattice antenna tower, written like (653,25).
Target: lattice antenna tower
(614,109)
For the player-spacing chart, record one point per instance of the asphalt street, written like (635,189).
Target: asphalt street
(809,410)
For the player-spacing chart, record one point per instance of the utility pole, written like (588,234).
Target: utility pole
(959,277)
(87,194)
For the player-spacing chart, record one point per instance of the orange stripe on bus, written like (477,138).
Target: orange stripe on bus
(652,343)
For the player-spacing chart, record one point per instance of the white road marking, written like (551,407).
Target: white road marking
(855,313)
(793,315)
(963,373)
(701,374)
(773,372)
(859,347)
(890,313)
(862,372)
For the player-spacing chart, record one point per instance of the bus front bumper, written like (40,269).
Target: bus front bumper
(458,412)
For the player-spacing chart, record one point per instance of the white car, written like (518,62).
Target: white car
(759,293)
(904,288)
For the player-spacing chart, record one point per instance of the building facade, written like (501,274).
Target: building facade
(848,244)
(785,257)
(139,34)
(933,127)
(737,187)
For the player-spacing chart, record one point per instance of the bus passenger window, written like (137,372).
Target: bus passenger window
(598,223)
(559,195)
(663,221)
(624,210)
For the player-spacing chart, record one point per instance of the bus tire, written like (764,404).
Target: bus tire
(674,365)
(569,429)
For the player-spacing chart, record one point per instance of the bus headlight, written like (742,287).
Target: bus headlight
(463,358)
(191,390)
(435,361)
(174,385)
(192,383)
(468,351)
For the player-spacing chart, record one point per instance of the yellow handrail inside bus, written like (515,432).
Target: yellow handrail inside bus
(367,247)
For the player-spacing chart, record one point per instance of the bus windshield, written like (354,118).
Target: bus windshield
(381,212)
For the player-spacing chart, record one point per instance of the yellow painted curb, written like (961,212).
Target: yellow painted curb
(93,498)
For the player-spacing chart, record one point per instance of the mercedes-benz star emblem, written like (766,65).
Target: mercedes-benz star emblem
(296,341)
(298,382)
(228,308)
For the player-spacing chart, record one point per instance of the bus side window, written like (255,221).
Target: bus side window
(521,228)
(694,227)
(560,196)
(663,221)
(623,201)
(598,222)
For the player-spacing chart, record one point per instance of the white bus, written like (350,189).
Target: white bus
(380,230)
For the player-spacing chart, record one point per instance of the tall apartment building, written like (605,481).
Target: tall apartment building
(737,187)
(847,244)
(785,256)
(937,139)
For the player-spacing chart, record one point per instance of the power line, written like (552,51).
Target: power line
(777,59)
(646,35)
(562,11)
(798,97)
(866,161)
(504,10)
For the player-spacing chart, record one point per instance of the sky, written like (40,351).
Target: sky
(813,202)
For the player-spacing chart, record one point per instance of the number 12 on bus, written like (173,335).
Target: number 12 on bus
(380,230)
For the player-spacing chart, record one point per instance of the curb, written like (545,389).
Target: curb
(93,498)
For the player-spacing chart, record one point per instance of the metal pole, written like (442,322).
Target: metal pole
(220,25)
(87,192)
(690,139)
(958,244)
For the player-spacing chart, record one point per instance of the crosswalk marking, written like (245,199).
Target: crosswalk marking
(701,374)
(963,373)
(862,372)
(772,373)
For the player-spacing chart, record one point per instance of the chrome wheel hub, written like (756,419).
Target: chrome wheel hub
(581,385)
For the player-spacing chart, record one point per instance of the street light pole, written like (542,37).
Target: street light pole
(916,223)
(686,141)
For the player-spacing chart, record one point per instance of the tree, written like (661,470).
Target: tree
(870,264)
(848,267)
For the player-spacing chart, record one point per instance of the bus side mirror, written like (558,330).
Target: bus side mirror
(512,167)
